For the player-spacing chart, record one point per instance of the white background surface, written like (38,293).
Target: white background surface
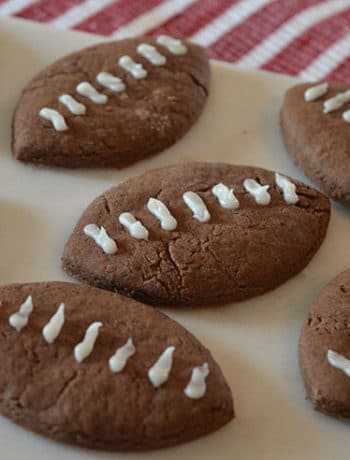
(255,341)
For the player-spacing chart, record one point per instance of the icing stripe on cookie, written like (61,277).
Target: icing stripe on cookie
(136,69)
(162,213)
(336,102)
(101,238)
(346,116)
(110,81)
(151,53)
(196,387)
(72,104)
(87,90)
(134,227)
(118,361)
(53,328)
(172,44)
(259,192)
(20,319)
(288,188)
(315,92)
(57,120)
(339,361)
(197,206)
(225,196)
(85,347)
(159,372)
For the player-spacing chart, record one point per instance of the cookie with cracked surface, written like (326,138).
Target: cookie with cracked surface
(75,367)
(198,233)
(315,128)
(111,104)
(324,346)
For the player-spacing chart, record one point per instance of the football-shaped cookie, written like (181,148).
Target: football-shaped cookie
(198,233)
(89,367)
(324,349)
(315,126)
(111,104)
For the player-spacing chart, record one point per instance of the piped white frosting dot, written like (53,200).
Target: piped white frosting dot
(162,213)
(197,206)
(159,372)
(110,81)
(259,192)
(288,188)
(225,196)
(101,238)
(20,319)
(57,120)
(87,90)
(336,102)
(172,44)
(151,53)
(53,328)
(134,68)
(197,386)
(339,361)
(134,227)
(118,361)
(85,347)
(346,116)
(315,92)
(72,104)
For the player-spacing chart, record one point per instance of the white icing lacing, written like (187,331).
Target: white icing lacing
(315,92)
(72,105)
(87,90)
(134,227)
(339,361)
(85,347)
(162,213)
(346,116)
(172,44)
(159,372)
(53,328)
(225,196)
(118,361)
(336,102)
(259,192)
(136,69)
(20,319)
(197,206)
(151,53)
(101,238)
(110,81)
(196,387)
(288,188)
(57,120)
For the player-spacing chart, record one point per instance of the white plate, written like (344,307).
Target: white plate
(254,341)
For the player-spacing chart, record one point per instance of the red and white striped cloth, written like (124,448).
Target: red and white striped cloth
(306,38)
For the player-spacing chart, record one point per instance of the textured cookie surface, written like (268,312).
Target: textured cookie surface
(150,114)
(45,389)
(236,254)
(325,339)
(319,142)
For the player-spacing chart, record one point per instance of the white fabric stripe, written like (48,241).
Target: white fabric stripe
(328,60)
(79,13)
(289,31)
(231,17)
(152,18)
(14,6)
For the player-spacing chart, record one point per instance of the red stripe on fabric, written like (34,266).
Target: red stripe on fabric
(308,46)
(193,18)
(245,36)
(46,10)
(341,73)
(116,15)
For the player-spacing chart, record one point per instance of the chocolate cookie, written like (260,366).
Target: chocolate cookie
(198,233)
(111,104)
(324,349)
(316,131)
(89,367)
